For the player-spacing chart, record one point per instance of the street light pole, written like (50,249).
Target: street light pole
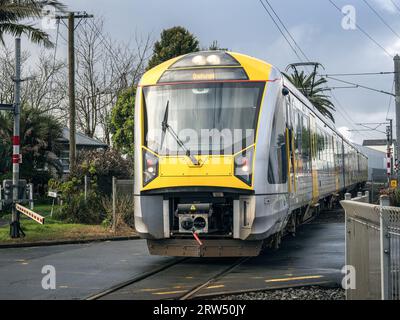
(15,227)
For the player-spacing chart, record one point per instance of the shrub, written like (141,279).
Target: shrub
(78,210)
(101,166)
(124,212)
(394,196)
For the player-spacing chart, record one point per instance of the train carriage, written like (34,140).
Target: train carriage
(229,155)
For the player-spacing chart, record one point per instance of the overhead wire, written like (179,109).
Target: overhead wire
(395,5)
(390,101)
(287,30)
(364,32)
(280,30)
(360,86)
(381,18)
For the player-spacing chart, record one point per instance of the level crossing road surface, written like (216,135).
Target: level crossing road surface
(314,256)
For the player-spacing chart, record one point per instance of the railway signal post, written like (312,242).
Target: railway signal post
(15,225)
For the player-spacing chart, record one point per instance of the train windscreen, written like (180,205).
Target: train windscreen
(205,118)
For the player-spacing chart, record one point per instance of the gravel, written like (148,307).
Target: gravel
(303,293)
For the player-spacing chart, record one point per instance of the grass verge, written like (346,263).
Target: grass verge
(54,230)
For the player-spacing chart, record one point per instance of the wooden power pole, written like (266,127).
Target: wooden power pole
(397,102)
(71,82)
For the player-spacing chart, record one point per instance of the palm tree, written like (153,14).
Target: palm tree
(314,91)
(40,134)
(13,16)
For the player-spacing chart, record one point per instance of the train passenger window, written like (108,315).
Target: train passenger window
(306,144)
(277,164)
(298,140)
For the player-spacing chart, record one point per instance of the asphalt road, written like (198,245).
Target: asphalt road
(315,256)
(81,270)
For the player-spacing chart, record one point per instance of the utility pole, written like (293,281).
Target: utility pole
(15,226)
(397,101)
(71,81)
(71,91)
(389,140)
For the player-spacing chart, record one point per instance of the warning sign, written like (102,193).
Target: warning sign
(29,213)
(393,183)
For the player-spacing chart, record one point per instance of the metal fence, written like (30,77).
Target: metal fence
(121,189)
(373,249)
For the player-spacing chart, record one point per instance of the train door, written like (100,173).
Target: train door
(290,146)
(335,154)
(314,152)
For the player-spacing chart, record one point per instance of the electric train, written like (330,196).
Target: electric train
(229,156)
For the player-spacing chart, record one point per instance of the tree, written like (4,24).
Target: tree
(174,42)
(314,91)
(214,46)
(39,136)
(104,69)
(122,122)
(13,18)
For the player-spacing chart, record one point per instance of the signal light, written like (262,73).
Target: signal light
(243,166)
(150,167)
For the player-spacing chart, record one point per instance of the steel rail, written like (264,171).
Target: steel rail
(136,279)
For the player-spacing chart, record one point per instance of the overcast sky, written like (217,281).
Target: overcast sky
(244,26)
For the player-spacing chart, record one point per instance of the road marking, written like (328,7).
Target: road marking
(148,290)
(169,292)
(294,278)
(216,286)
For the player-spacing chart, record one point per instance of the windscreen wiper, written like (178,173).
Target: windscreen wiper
(166,127)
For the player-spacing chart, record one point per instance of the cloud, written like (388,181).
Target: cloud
(395,48)
(344,131)
(387,5)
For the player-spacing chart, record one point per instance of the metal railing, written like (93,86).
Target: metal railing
(373,248)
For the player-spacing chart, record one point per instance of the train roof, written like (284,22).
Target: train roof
(255,69)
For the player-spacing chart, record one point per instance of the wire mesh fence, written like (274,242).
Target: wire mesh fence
(373,249)
(391,217)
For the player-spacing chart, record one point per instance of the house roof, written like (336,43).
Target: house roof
(376,142)
(82,140)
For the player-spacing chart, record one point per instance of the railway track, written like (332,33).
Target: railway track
(136,279)
(187,294)
(313,257)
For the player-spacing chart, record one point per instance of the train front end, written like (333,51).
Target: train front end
(196,131)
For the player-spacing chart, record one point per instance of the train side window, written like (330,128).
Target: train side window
(277,164)
(298,141)
(306,144)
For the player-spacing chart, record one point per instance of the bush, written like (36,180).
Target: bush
(393,194)
(124,212)
(101,166)
(78,210)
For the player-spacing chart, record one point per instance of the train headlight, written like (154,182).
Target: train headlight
(214,60)
(150,167)
(244,166)
(199,60)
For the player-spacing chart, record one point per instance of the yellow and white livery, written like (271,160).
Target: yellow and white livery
(229,151)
